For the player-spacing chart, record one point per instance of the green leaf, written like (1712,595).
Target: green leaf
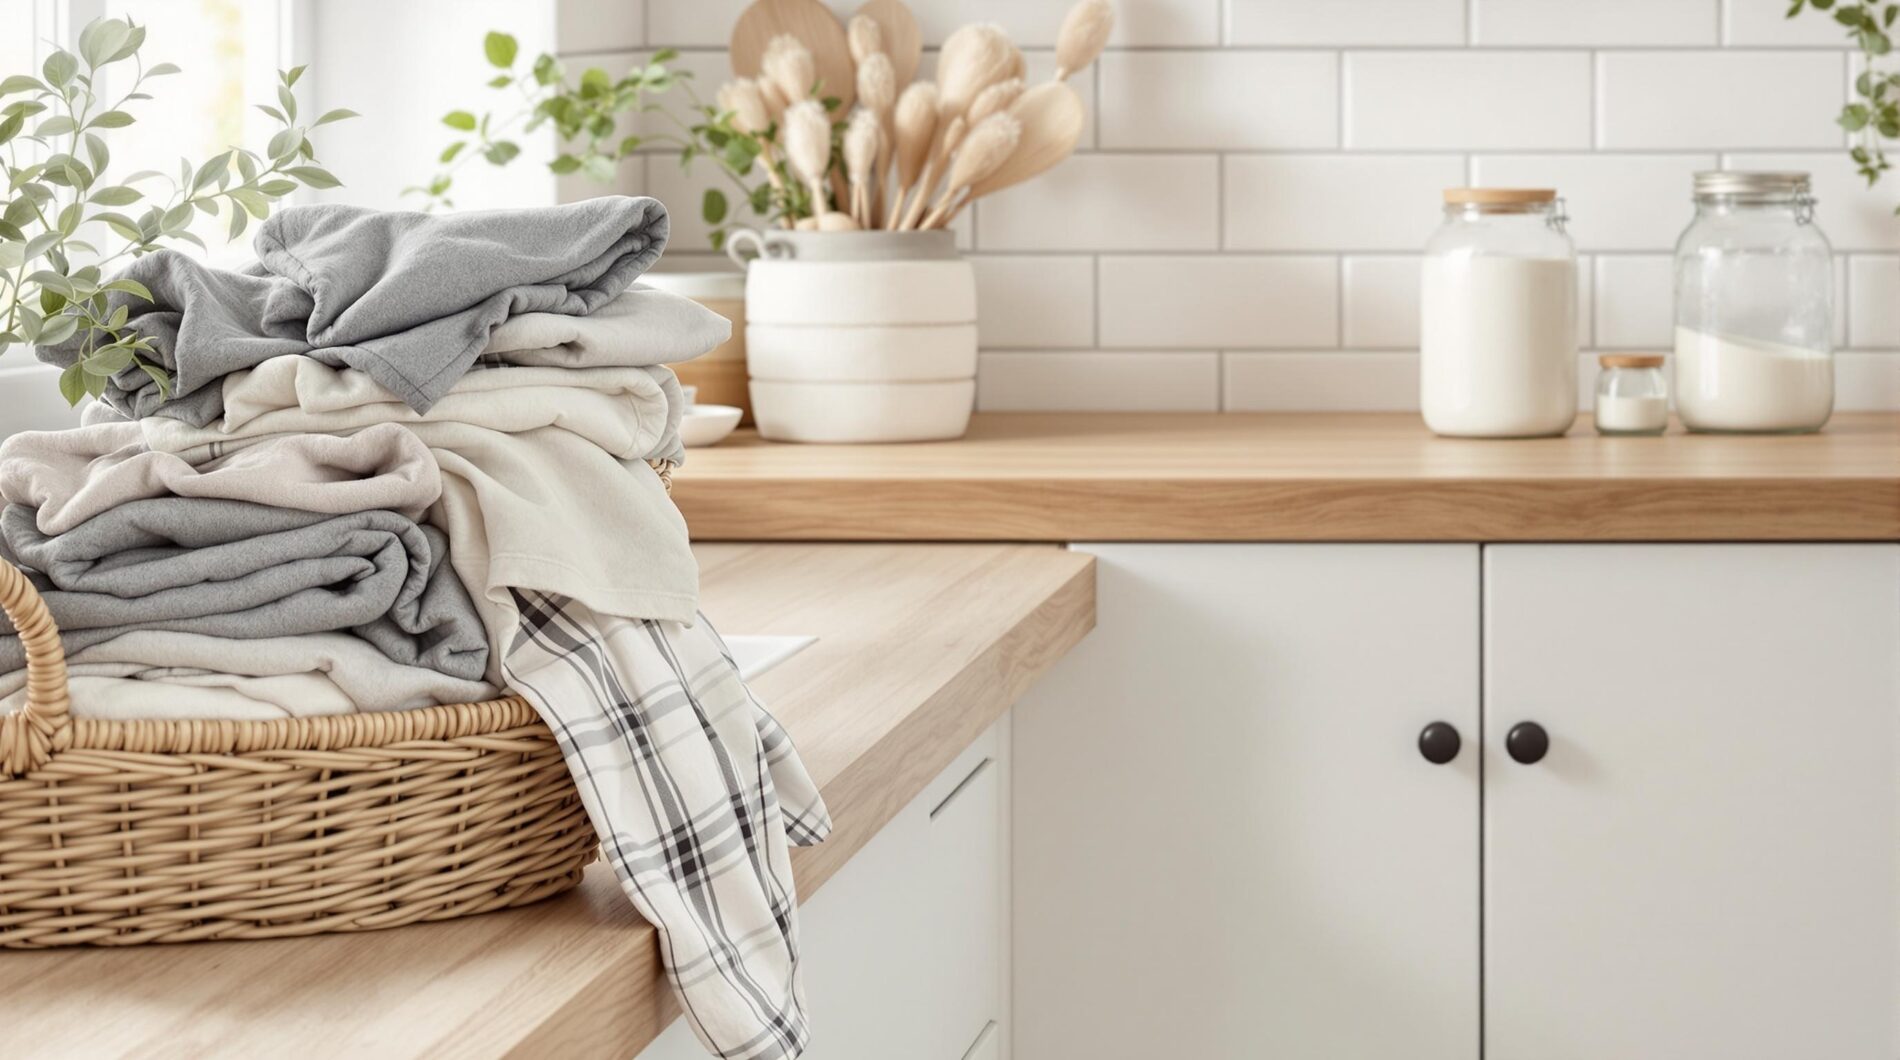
(448,153)
(252,200)
(500,49)
(547,70)
(595,83)
(59,68)
(207,173)
(564,164)
(664,55)
(101,40)
(159,376)
(235,227)
(117,195)
(175,219)
(459,119)
(120,224)
(336,115)
(72,383)
(21,83)
(71,217)
(131,287)
(108,362)
(58,329)
(598,167)
(10,127)
(58,125)
(283,145)
(277,189)
(161,69)
(112,119)
(291,75)
(314,176)
(500,81)
(287,101)
(276,115)
(501,152)
(712,206)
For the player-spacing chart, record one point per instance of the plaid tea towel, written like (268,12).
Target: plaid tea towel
(696,792)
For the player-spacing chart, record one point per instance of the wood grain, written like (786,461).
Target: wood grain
(815,27)
(1295,477)
(921,648)
(903,41)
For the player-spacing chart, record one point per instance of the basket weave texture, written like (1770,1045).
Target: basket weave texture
(117,833)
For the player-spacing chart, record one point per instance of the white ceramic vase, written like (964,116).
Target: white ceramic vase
(858,336)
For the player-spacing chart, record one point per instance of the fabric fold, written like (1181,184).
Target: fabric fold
(245,571)
(409,298)
(71,476)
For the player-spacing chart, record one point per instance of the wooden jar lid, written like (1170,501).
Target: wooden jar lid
(1630,360)
(1498,196)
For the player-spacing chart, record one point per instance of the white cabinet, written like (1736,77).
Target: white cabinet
(1226,841)
(1703,865)
(1228,844)
(906,947)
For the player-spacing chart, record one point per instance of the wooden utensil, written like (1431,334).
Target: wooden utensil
(989,144)
(1052,118)
(814,25)
(903,41)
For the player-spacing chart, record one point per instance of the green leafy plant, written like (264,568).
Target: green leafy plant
(65,219)
(1874,116)
(586,116)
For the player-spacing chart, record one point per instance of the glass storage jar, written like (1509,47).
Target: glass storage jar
(1632,396)
(1498,316)
(1754,307)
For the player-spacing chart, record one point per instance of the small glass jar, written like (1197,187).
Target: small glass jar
(1498,317)
(1632,396)
(1754,308)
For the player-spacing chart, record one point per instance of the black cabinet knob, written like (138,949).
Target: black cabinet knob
(1439,743)
(1527,742)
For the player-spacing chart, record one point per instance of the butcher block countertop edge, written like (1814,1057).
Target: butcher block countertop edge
(1064,477)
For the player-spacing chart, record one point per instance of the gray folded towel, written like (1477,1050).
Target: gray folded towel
(409,298)
(231,568)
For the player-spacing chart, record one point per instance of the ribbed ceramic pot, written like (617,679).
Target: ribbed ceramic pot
(858,336)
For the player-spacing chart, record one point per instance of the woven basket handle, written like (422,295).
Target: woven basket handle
(29,738)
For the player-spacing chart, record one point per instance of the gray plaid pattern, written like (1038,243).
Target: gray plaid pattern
(697,794)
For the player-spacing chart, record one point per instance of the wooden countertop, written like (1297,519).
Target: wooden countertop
(921,648)
(1289,477)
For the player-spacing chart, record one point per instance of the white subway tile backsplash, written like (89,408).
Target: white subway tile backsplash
(1635,302)
(1345,22)
(1258,177)
(1874,299)
(1230,99)
(1034,23)
(1035,301)
(1144,381)
(1467,100)
(1853,215)
(1336,202)
(1615,202)
(1766,23)
(1719,99)
(1219,301)
(1593,22)
(1380,302)
(1328,381)
(599,25)
(1108,202)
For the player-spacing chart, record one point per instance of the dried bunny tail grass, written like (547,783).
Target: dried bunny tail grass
(989,143)
(863,140)
(973,58)
(743,100)
(995,99)
(808,147)
(865,37)
(1084,34)
(877,84)
(915,125)
(789,66)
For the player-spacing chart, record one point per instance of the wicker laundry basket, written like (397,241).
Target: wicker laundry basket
(114,833)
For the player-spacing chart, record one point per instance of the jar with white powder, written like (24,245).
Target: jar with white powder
(1754,308)
(1632,396)
(1498,317)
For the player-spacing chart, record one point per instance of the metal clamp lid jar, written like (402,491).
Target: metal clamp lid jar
(1754,307)
(1498,316)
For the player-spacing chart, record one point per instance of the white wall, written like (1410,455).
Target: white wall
(1241,226)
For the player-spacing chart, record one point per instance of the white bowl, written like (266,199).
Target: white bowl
(704,425)
(861,354)
(862,412)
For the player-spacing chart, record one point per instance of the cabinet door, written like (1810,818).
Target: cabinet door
(904,949)
(1226,842)
(1703,865)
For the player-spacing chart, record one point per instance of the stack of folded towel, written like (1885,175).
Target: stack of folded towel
(408,460)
